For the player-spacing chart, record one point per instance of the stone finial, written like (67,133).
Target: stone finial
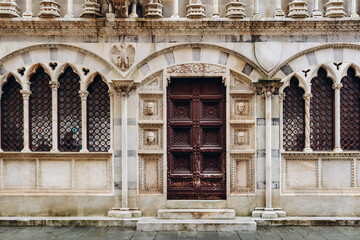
(298,9)
(9,8)
(235,9)
(91,9)
(195,9)
(335,9)
(154,9)
(49,9)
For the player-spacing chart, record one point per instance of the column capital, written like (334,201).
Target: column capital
(337,86)
(123,87)
(307,96)
(25,94)
(111,93)
(54,85)
(83,94)
(268,86)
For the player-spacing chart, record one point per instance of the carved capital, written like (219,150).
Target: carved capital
(25,94)
(123,87)
(337,86)
(307,96)
(54,85)
(83,94)
(281,96)
(268,86)
(111,93)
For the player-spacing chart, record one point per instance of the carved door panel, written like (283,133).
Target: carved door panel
(196,139)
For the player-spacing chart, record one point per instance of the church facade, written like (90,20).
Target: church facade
(132,108)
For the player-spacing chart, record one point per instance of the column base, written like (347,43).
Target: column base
(268,213)
(69,16)
(316,14)
(175,16)
(256,16)
(27,15)
(307,150)
(54,150)
(338,150)
(215,16)
(26,150)
(124,213)
(354,15)
(84,151)
(279,13)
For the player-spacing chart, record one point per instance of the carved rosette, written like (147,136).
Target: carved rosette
(9,8)
(154,9)
(49,9)
(235,9)
(122,55)
(91,9)
(335,9)
(298,9)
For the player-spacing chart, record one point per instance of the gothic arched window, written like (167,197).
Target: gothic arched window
(322,112)
(294,117)
(98,116)
(69,112)
(350,111)
(40,112)
(12,117)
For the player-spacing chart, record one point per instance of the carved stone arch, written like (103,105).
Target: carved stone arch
(330,73)
(4,79)
(302,82)
(62,69)
(346,68)
(91,78)
(33,69)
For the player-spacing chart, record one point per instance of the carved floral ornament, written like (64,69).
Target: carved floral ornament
(122,55)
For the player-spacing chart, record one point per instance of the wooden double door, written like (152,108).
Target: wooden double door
(196,146)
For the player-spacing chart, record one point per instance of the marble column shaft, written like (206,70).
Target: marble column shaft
(337,147)
(268,97)
(54,88)
(26,95)
(1,92)
(124,159)
(70,9)
(176,9)
(84,94)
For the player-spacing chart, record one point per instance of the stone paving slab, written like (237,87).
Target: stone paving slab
(121,233)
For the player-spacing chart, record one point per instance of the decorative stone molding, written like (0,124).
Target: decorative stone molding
(122,55)
(196,68)
(242,173)
(195,9)
(91,9)
(298,9)
(9,8)
(235,9)
(335,9)
(49,9)
(151,174)
(337,86)
(154,9)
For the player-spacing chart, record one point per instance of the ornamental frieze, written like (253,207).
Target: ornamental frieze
(196,68)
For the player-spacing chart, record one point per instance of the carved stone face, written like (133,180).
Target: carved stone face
(150,138)
(241,137)
(241,107)
(150,108)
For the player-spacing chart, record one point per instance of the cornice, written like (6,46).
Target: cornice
(103,28)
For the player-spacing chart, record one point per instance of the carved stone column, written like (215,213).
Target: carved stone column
(307,97)
(195,9)
(124,88)
(354,13)
(335,9)
(154,9)
(84,94)
(256,13)
(268,87)
(55,144)
(216,9)
(26,96)
(279,13)
(9,8)
(316,12)
(298,9)
(1,92)
(91,9)
(235,9)
(28,12)
(49,9)
(337,147)
(176,9)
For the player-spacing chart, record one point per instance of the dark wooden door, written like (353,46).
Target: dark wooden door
(196,139)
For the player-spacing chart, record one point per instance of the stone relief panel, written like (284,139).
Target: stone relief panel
(152,83)
(239,82)
(150,136)
(242,137)
(151,174)
(196,69)
(242,174)
(122,55)
(242,107)
(150,107)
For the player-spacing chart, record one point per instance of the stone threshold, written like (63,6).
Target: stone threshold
(132,222)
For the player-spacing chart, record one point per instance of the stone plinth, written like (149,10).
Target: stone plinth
(9,8)
(49,9)
(124,213)
(195,9)
(235,9)
(298,9)
(91,9)
(196,214)
(335,9)
(153,10)
(266,213)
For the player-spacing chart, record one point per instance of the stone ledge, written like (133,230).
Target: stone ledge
(309,221)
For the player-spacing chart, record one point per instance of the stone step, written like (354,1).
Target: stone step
(196,204)
(147,224)
(196,214)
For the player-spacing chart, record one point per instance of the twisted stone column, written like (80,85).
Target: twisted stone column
(307,97)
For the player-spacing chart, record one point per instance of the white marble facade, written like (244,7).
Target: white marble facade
(138,59)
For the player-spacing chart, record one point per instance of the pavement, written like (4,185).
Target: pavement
(121,233)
